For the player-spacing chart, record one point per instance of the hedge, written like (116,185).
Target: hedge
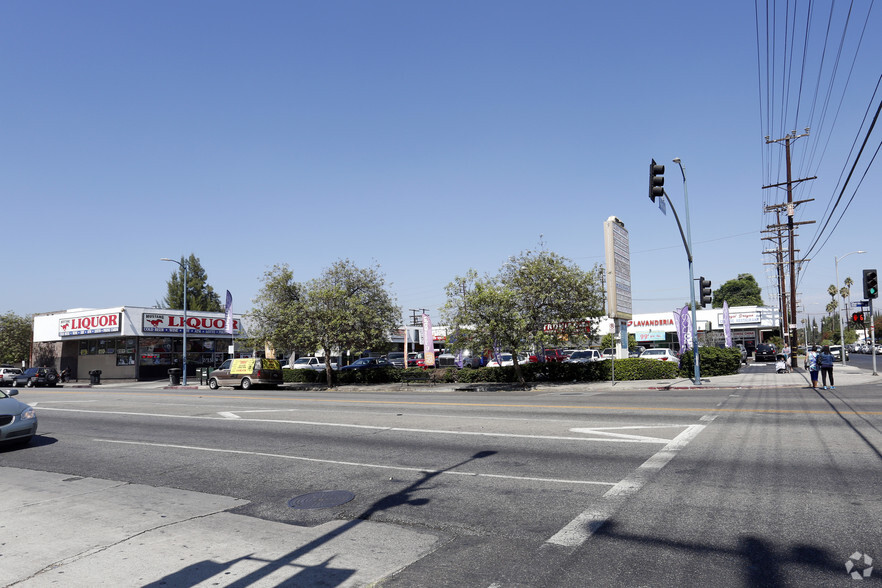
(625,369)
(713,361)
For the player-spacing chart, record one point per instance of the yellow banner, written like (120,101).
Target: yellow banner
(242,366)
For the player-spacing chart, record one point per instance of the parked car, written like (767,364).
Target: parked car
(765,352)
(309,363)
(7,375)
(502,360)
(584,356)
(246,374)
(743,350)
(608,353)
(836,352)
(660,353)
(367,363)
(552,355)
(396,358)
(18,421)
(37,376)
(636,351)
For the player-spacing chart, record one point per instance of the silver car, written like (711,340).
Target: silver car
(7,375)
(18,421)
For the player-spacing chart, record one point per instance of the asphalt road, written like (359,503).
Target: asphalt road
(551,487)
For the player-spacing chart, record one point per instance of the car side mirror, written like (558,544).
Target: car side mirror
(11,392)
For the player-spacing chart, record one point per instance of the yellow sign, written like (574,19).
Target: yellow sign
(242,366)
(271,364)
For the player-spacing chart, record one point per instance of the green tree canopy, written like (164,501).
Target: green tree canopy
(346,308)
(273,319)
(742,291)
(16,333)
(511,310)
(200,295)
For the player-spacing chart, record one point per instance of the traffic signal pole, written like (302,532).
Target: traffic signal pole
(656,190)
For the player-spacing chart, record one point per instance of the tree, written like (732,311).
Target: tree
(346,309)
(742,291)
(273,319)
(200,295)
(16,334)
(512,309)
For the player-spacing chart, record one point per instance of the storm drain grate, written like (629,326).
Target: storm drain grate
(323,499)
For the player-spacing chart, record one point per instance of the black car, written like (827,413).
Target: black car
(765,352)
(368,363)
(37,376)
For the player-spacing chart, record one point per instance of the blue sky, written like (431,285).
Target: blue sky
(428,138)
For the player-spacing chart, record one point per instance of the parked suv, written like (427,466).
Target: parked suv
(37,376)
(246,374)
(765,352)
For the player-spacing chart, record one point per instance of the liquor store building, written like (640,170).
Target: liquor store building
(132,343)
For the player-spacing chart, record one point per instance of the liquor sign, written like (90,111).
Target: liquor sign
(199,325)
(108,322)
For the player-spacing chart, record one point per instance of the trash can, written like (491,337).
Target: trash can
(203,376)
(95,377)
(174,376)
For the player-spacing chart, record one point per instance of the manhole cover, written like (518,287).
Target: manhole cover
(323,499)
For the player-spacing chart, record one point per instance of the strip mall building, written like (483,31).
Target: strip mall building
(750,326)
(129,342)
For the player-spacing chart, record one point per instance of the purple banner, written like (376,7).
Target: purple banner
(726,326)
(684,331)
(228,309)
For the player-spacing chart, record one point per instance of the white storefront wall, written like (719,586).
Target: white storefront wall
(119,340)
(746,322)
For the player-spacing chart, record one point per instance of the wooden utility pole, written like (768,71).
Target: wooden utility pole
(791,210)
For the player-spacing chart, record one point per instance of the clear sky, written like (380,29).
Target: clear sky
(426,137)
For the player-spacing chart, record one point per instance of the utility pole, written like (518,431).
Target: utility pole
(791,209)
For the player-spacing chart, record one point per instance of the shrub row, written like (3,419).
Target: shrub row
(713,361)
(625,369)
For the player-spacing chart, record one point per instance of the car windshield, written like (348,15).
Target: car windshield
(302,361)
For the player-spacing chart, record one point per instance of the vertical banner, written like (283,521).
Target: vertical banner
(428,342)
(727,329)
(228,309)
(684,332)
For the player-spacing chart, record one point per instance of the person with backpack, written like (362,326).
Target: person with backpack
(825,361)
(813,366)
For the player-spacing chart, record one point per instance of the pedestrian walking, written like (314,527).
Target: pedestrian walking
(813,366)
(825,359)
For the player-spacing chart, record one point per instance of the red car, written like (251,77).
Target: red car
(552,355)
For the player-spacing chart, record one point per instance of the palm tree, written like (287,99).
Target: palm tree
(848,284)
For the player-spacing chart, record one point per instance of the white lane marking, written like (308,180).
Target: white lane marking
(369,427)
(607,431)
(580,529)
(353,463)
(229,415)
(60,402)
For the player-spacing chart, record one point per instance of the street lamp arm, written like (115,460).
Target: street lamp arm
(679,226)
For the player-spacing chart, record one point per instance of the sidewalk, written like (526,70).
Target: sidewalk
(753,375)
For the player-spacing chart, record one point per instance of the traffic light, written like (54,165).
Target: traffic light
(705,293)
(871,284)
(857,318)
(656,180)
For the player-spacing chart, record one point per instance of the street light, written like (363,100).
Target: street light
(697,380)
(841,331)
(184,268)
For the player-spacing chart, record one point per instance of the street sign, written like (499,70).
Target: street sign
(862,304)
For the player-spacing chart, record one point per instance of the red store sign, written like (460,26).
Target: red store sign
(91,324)
(200,325)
